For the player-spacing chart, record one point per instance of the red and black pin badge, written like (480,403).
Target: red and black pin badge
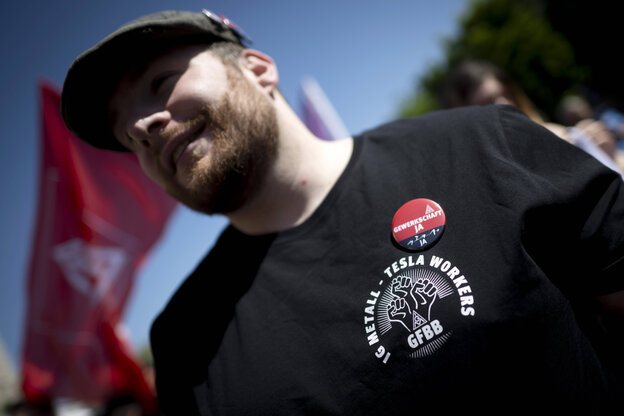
(418,224)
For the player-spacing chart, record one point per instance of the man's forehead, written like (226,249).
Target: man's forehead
(173,55)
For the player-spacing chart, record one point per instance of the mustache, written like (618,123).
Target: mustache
(203,116)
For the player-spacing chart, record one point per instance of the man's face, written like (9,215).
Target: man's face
(490,91)
(201,129)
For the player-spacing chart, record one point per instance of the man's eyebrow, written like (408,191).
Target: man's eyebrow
(140,64)
(137,71)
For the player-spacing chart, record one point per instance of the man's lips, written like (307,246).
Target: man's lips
(177,145)
(180,149)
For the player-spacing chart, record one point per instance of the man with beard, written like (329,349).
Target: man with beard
(460,254)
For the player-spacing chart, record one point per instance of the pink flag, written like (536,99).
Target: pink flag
(98,216)
(318,114)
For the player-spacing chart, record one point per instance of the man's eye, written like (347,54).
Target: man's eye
(160,80)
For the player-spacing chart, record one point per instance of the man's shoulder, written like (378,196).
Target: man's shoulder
(212,277)
(185,298)
(450,122)
(444,131)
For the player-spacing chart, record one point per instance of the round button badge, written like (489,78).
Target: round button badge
(418,224)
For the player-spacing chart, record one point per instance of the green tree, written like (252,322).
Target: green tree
(516,36)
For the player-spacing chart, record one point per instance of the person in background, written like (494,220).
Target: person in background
(614,120)
(477,82)
(575,112)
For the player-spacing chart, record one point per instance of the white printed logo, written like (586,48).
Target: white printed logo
(91,270)
(412,309)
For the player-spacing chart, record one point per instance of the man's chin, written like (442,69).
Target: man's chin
(211,198)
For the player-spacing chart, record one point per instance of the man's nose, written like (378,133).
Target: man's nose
(147,130)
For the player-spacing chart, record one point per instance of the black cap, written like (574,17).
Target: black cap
(92,77)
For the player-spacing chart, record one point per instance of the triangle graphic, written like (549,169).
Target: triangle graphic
(417,320)
(89,269)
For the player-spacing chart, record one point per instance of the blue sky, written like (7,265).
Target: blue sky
(366,55)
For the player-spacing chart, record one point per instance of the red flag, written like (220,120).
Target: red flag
(98,216)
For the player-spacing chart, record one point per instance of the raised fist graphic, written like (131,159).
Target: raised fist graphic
(414,310)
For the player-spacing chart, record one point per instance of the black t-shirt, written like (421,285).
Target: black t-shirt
(334,317)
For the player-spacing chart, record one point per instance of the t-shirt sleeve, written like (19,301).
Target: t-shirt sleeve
(574,224)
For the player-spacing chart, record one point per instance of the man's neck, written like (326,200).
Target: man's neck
(305,171)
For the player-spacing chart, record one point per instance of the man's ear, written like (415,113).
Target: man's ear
(262,69)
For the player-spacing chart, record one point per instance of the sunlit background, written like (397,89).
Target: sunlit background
(375,61)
